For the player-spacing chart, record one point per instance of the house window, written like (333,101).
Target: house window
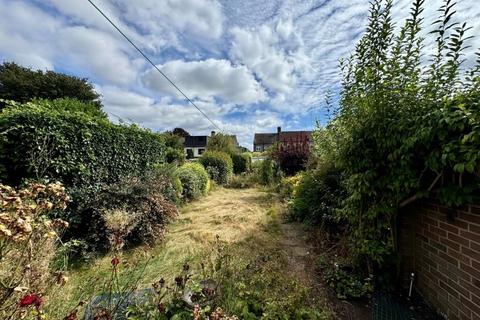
(201,151)
(258,148)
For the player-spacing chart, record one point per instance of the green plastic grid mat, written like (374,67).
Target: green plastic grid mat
(388,307)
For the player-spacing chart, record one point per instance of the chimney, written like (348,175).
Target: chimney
(279,129)
(212,133)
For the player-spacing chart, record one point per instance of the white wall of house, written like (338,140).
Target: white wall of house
(197,152)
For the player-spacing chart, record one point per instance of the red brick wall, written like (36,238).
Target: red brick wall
(442,247)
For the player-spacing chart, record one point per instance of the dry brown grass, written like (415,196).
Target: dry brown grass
(232,214)
(247,219)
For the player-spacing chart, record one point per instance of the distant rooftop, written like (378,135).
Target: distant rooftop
(195,141)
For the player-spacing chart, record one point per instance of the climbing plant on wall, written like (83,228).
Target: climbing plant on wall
(404,130)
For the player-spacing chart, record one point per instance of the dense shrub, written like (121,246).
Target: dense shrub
(292,157)
(316,197)
(71,105)
(131,211)
(194,179)
(345,281)
(79,150)
(267,172)
(218,164)
(172,188)
(288,186)
(404,130)
(241,163)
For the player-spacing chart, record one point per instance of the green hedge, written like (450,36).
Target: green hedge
(77,149)
(194,179)
(241,163)
(218,164)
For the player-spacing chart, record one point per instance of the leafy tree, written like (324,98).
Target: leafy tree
(222,142)
(23,85)
(180,132)
(174,146)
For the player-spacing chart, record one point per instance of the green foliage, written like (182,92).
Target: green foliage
(241,163)
(180,132)
(81,151)
(268,172)
(191,294)
(403,131)
(218,164)
(71,105)
(172,188)
(190,154)
(222,142)
(174,152)
(316,198)
(261,289)
(288,186)
(22,84)
(345,282)
(194,179)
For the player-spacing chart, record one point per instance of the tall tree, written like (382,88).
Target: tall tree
(23,84)
(181,132)
(222,142)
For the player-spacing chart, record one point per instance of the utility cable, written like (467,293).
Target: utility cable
(153,64)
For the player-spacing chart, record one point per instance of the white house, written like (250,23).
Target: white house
(197,145)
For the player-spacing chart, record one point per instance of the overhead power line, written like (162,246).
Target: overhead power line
(153,64)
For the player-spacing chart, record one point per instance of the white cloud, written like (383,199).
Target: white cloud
(98,53)
(206,79)
(163,114)
(255,48)
(38,39)
(200,17)
(275,55)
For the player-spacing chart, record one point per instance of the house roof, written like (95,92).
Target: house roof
(283,136)
(295,136)
(265,138)
(195,141)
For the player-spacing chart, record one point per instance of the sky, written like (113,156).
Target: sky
(250,65)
